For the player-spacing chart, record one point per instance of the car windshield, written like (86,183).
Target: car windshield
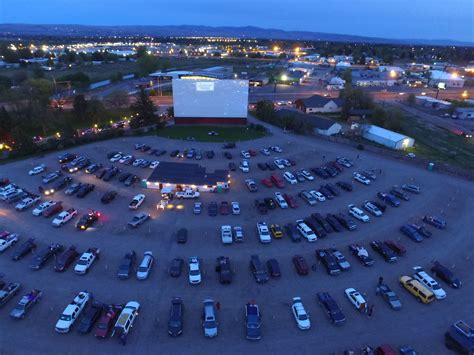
(66,317)
(302,317)
(142,269)
(194,272)
(20,306)
(82,262)
(102,326)
(210,324)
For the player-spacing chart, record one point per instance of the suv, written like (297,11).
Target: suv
(331,307)
(209,321)
(384,250)
(253,321)
(430,283)
(305,231)
(66,259)
(263,232)
(445,274)
(329,261)
(358,213)
(224,270)
(175,322)
(435,222)
(258,269)
(126,265)
(460,337)
(126,318)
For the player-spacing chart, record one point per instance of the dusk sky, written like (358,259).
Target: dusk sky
(426,19)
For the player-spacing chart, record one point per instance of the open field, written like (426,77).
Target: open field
(446,196)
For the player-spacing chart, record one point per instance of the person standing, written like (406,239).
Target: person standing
(218,306)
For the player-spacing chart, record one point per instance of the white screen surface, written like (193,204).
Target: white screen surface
(210,98)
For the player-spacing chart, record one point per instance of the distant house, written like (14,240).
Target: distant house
(319,104)
(387,138)
(336,83)
(321,125)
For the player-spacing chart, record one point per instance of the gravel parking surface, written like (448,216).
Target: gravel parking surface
(420,325)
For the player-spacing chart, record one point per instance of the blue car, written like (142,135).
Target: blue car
(411,233)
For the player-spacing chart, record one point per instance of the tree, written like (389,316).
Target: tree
(143,110)
(39,91)
(170,111)
(118,98)
(96,110)
(23,142)
(80,106)
(265,110)
(347,76)
(6,124)
(142,51)
(148,64)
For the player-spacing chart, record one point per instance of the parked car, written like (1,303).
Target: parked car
(144,268)
(7,240)
(340,259)
(44,255)
(411,233)
(356,298)
(300,314)
(194,271)
(273,268)
(176,267)
(397,247)
(362,254)
(459,338)
(126,265)
(72,311)
(86,260)
(91,316)
(223,268)
(329,261)
(435,221)
(182,235)
(108,197)
(292,232)
(331,308)
(24,249)
(138,219)
(209,319)
(300,265)
(25,303)
(443,273)
(8,291)
(411,188)
(136,201)
(65,259)
(370,207)
(389,296)
(64,217)
(387,253)
(175,320)
(85,190)
(258,269)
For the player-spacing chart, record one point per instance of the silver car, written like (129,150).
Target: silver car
(209,321)
(138,219)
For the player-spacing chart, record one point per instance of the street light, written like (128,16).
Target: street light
(284,77)
(465,94)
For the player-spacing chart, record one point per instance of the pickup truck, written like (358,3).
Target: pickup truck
(86,260)
(187,194)
(72,311)
(8,292)
(25,303)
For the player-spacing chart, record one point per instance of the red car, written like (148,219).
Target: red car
(107,321)
(252,152)
(398,248)
(290,200)
(300,265)
(224,209)
(277,180)
(292,162)
(53,209)
(267,182)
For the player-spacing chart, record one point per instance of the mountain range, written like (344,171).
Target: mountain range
(28,30)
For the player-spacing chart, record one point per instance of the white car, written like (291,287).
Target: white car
(72,312)
(300,314)
(27,202)
(125,158)
(356,299)
(37,170)
(263,232)
(307,175)
(245,154)
(64,217)
(137,162)
(279,163)
(136,202)
(276,149)
(357,213)
(431,284)
(360,178)
(226,234)
(244,166)
(116,157)
(8,188)
(280,200)
(235,208)
(8,241)
(86,260)
(144,268)
(38,211)
(372,209)
(154,164)
(265,151)
(318,195)
(290,178)
(194,271)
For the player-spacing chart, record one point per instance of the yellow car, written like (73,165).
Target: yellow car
(276,230)
(413,286)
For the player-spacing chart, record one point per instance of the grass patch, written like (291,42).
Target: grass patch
(200,133)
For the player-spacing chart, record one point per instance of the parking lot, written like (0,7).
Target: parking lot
(444,196)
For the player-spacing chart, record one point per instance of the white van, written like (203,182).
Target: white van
(305,231)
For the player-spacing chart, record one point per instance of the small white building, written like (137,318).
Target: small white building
(429,101)
(319,104)
(387,138)
(336,83)
(446,79)
(343,65)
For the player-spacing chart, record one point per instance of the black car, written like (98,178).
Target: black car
(160,152)
(24,249)
(73,188)
(229,145)
(100,174)
(334,190)
(126,266)
(182,236)
(320,172)
(44,255)
(270,166)
(400,194)
(422,230)
(329,261)
(330,171)
(85,190)
(348,223)
(152,151)
(91,316)
(380,205)
(270,202)
(292,232)
(145,148)
(174,153)
(445,274)
(326,192)
(232,166)
(344,185)
(175,322)
(333,222)
(384,250)
(111,173)
(258,269)
(274,268)
(362,254)
(81,165)
(322,222)
(227,155)
(459,338)
(108,197)
(87,220)
(389,198)
(210,154)
(66,157)
(176,267)
(261,206)
(62,183)
(331,307)
(65,259)
(124,176)
(212,209)
(262,166)
(131,180)
(111,154)
(224,269)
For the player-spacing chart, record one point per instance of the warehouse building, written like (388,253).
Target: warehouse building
(443,79)
(387,138)
(321,125)
(178,176)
